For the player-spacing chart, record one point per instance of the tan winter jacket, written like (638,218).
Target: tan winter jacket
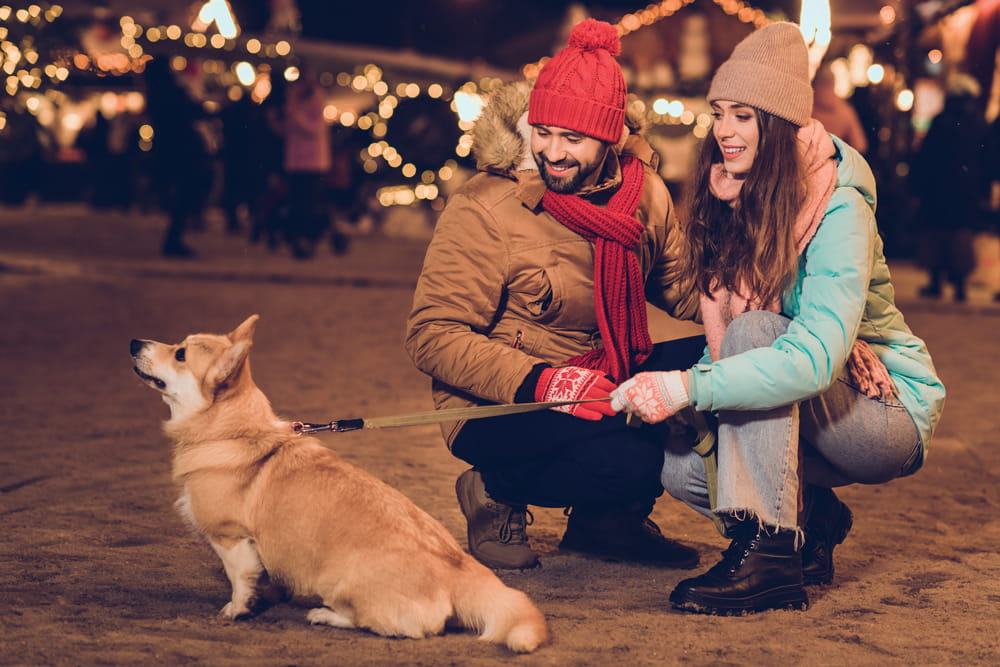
(504,285)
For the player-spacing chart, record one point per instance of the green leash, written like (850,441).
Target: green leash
(433,416)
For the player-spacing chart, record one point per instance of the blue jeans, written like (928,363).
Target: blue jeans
(838,437)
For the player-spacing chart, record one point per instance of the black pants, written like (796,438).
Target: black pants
(552,459)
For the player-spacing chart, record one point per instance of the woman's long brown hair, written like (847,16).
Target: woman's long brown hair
(748,247)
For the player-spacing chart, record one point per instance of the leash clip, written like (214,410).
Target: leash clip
(338,426)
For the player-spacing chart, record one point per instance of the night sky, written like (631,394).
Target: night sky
(451,28)
(503,32)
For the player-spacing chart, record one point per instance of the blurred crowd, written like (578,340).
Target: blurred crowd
(955,182)
(278,171)
(951,199)
(283,175)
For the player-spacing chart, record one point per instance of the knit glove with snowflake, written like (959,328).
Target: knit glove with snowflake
(653,396)
(574,383)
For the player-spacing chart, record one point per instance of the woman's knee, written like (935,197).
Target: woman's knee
(753,329)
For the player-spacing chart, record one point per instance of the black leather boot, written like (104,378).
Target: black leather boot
(827,522)
(757,572)
(624,535)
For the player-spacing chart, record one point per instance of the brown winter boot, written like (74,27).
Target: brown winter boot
(624,535)
(497,532)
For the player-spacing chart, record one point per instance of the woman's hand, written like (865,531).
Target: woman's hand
(653,396)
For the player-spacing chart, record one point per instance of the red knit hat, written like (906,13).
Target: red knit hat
(582,88)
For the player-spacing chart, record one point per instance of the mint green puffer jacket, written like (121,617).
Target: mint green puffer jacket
(843,291)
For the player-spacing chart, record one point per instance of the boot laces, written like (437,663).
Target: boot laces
(513,523)
(738,551)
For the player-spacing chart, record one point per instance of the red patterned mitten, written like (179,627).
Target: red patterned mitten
(573,383)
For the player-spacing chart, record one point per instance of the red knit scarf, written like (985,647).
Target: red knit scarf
(619,300)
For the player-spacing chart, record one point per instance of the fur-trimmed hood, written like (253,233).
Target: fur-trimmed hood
(501,136)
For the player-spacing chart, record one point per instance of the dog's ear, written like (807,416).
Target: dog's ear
(244,331)
(230,363)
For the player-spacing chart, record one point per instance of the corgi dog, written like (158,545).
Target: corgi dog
(290,519)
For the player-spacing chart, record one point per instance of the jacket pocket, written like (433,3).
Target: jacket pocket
(534,295)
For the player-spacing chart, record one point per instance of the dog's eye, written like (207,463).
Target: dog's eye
(179,354)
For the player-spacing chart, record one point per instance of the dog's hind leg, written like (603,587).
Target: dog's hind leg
(245,572)
(267,593)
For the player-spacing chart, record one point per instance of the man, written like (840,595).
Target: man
(534,289)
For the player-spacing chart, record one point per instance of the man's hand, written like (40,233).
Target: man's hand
(652,396)
(573,383)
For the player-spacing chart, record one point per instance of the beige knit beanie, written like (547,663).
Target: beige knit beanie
(768,70)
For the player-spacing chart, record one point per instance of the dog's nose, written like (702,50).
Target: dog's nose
(136,346)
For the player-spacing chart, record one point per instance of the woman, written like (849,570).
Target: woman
(812,375)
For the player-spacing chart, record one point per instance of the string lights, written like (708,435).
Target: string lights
(20,59)
(244,64)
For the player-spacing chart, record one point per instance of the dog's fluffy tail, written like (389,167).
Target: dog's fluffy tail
(499,613)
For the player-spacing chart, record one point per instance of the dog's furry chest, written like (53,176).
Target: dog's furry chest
(216,507)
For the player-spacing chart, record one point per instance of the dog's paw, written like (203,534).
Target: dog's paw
(235,612)
(327,616)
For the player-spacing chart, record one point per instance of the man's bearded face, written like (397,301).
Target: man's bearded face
(565,158)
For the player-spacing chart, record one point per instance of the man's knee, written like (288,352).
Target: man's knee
(631,472)
(753,329)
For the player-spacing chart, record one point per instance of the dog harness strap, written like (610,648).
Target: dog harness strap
(434,416)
